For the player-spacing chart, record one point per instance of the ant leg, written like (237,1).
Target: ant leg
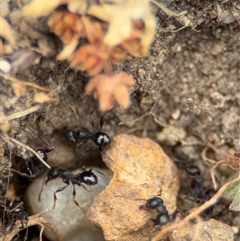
(55,196)
(175,213)
(84,188)
(26,235)
(109,158)
(90,119)
(49,147)
(101,122)
(45,180)
(74,195)
(23,174)
(81,143)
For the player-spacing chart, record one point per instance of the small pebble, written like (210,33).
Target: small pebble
(211,230)
(171,135)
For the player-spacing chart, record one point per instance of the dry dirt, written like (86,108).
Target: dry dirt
(189,80)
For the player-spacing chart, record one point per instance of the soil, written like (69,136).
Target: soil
(189,80)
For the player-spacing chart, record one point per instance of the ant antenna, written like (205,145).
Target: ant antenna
(109,158)
(50,148)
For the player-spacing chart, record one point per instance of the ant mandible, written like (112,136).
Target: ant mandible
(101,139)
(85,177)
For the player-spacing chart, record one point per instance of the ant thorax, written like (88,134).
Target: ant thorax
(80,136)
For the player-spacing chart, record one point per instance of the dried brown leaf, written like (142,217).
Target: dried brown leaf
(66,25)
(110,88)
(90,58)
(95,30)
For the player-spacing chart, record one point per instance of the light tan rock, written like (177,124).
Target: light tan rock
(141,171)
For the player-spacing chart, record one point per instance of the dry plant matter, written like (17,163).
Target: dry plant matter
(113,31)
(196,212)
(229,160)
(27,148)
(32,220)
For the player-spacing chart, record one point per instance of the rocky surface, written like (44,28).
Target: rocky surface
(141,171)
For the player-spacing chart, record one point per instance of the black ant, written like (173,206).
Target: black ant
(197,181)
(197,185)
(101,139)
(13,211)
(163,216)
(32,167)
(85,177)
(157,203)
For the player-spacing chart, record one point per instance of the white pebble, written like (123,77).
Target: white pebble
(5,66)
(69,219)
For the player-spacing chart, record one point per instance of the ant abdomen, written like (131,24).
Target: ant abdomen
(162,219)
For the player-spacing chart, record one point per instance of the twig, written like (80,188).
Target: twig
(22,113)
(142,116)
(33,220)
(168,11)
(212,172)
(210,145)
(27,148)
(15,80)
(205,159)
(215,149)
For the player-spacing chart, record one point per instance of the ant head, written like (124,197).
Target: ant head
(101,139)
(87,177)
(193,170)
(42,154)
(154,202)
